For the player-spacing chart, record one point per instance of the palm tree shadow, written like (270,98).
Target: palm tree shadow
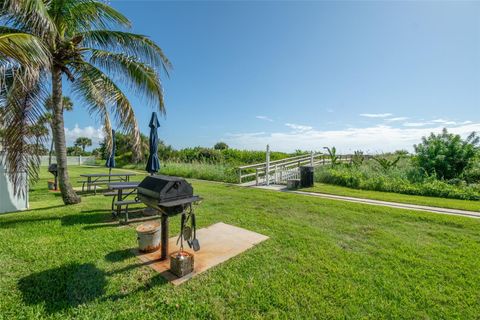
(88,218)
(64,287)
(99,217)
(75,284)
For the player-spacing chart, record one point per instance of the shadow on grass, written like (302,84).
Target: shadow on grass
(88,217)
(119,255)
(133,217)
(157,280)
(64,287)
(46,208)
(69,220)
(93,219)
(75,284)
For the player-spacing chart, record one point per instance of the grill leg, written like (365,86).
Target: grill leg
(164,237)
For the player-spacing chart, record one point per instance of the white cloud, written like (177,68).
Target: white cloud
(379,138)
(298,127)
(96,134)
(264,118)
(396,119)
(443,121)
(376,115)
(415,124)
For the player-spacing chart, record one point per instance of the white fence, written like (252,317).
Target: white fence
(279,171)
(71,160)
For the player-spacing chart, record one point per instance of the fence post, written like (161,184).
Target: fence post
(79,160)
(239,175)
(267,164)
(256,176)
(311,158)
(276,174)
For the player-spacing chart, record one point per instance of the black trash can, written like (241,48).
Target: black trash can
(306,176)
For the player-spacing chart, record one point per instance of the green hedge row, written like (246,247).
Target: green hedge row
(352,177)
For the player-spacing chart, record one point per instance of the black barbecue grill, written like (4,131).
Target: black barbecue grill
(170,196)
(53,169)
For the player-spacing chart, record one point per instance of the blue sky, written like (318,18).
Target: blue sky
(374,76)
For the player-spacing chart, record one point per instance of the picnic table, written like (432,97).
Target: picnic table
(122,196)
(94,179)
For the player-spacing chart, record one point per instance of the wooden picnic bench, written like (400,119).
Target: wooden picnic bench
(95,179)
(122,193)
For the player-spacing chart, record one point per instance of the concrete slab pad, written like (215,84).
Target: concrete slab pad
(218,243)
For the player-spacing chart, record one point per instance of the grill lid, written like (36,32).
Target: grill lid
(52,168)
(164,189)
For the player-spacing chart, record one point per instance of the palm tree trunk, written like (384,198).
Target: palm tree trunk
(50,153)
(68,194)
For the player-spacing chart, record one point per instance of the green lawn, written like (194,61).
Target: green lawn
(324,259)
(395,197)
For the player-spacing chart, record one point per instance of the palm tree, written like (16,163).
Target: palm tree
(83,47)
(83,142)
(38,131)
(67,105)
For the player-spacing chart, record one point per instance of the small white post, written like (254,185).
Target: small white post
(79,160)
(311,158)
(267,166)
(276,174)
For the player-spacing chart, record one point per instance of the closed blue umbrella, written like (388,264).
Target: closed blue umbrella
(111,158)
(153,163)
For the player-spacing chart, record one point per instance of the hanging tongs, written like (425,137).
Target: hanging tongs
(182,226)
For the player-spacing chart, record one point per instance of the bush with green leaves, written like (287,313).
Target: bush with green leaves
(471,174)
(358,158)
(332,155)
(446,155)
(404,178)
(220,146)
(385,163)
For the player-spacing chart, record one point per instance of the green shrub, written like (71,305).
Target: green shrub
(220,146)
(368,177)
(446,155)
(195,170)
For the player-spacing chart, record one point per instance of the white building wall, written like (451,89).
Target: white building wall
(8,201)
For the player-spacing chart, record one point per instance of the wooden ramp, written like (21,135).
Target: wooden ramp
(218,243)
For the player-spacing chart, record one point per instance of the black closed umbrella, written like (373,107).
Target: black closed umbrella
(111,158)
(153,163)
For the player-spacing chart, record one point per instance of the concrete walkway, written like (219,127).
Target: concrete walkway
(456,212)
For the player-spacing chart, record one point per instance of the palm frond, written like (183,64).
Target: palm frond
(26,49)
(89,14)
(96,88)
(141,78)
(92,94)
(21,109)
(72,16)
(30,16)
(130,44)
